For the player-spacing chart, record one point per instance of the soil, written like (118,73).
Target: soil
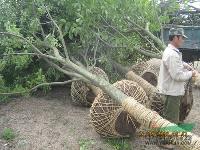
(52,122)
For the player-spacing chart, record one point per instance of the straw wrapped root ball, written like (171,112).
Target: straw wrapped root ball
(186,103)
(151,74)
(196,80)
(109,118)
(82,93)
(139,68)
(148,70)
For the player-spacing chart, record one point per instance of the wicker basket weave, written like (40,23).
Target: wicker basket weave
(81,93)
(148,70)
(108,117)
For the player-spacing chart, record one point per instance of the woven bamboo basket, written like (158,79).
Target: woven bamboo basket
(108,117)
(139,68)
(148,70)
(151,73)
(82,93)
(154,98)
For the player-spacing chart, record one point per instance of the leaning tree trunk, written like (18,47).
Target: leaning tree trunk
(155,99)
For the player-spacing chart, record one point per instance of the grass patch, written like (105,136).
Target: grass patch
(119,143)
(85,143)
(8,134)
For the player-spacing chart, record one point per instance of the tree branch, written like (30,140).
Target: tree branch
(153,37)
(77,62)
(51,63)
(161,26)
(95,51)
(196,8)
(40,85)
(43,34)
(150,54)
(72,74)
(109,45)
(60,33)
(21,54)
(56,53)
(34,47)
(147,53)
(145,38)
(67,63)
(144,52)
(85,57)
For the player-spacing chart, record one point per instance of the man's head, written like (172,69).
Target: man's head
(177,36)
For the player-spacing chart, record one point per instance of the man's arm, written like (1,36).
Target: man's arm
(175,68)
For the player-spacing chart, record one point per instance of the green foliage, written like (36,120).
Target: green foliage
(8,134)
(119,144)
(94,29)
(3,88)
(85,143)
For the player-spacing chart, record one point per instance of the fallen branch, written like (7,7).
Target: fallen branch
(40,85)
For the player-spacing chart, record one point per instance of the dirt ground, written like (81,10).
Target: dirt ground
(52,122)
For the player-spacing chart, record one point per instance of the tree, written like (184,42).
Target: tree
(95,32)
(55,49)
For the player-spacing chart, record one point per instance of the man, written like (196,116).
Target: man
(173,75)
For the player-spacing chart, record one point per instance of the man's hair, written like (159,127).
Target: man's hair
(171,37)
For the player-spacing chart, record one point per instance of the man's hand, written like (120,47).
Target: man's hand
(187,66)
(190,68)
(194,73)
(196,78)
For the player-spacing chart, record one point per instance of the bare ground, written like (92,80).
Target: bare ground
(52,122)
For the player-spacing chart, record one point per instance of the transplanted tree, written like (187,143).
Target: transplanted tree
(96,32)
(34,31)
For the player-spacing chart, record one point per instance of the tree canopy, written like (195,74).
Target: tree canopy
(95,33)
